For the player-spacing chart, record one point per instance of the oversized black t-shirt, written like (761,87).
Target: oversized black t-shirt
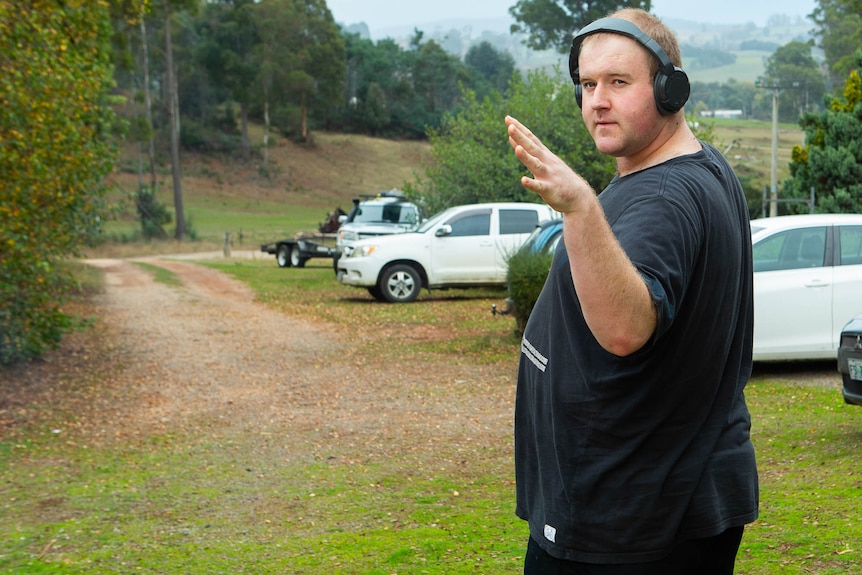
(617,458)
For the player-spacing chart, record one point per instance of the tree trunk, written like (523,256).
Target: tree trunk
(266,136)
(174,121)
(243,120)
(148,104)
(303,120)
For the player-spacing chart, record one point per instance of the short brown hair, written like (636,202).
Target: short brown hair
(656,30)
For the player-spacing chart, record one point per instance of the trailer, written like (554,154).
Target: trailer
(294,252)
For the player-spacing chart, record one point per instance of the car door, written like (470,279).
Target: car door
(847,291)
(464,251)
(793,295)
(514,227)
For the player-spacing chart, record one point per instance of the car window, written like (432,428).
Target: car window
(791,249)
(471,224)
(850,240)
(518,221)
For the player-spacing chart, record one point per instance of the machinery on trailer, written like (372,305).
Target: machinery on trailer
(295,251)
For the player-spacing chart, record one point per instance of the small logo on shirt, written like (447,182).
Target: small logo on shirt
(531,353)
(550,534)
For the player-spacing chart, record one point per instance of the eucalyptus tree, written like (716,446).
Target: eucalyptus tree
(301,61)
(839,27)
(227,51)
(792,70)
(551,24)
(169,8)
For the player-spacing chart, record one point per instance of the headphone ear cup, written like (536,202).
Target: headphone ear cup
(671,91)
(579,95)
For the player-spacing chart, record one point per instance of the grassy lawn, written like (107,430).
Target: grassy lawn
(202,500)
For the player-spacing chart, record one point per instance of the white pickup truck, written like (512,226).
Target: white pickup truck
(464,246)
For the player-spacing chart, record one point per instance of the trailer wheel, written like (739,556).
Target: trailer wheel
(282,256)
(296,259)
(400,284)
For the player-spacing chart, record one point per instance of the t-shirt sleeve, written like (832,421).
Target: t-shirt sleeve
(662,240)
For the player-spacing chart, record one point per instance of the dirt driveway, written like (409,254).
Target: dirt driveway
(186,358)
(203,354)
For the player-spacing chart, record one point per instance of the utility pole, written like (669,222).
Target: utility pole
(775,86)
(773,190)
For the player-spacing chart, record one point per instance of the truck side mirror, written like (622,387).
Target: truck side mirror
(444,230)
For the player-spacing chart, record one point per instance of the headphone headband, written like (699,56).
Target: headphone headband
(672,87)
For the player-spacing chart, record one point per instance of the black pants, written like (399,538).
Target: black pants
(710,556)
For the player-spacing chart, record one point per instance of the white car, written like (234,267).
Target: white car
(807,284)
(464,246)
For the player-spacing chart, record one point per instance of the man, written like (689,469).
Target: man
(631,429)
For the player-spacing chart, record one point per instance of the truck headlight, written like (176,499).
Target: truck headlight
(363,251)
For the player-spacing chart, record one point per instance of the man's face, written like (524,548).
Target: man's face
(618,104)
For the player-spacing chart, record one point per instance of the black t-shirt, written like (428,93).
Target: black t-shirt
(617,458)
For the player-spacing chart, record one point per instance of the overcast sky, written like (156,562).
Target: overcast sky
(380,14)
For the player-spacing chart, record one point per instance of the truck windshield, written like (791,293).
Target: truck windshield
(387,213)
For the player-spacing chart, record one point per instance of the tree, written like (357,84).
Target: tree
(227,53)
(551,24)
(437,78)
(172,103)
(840,30)
(793,70)
(56,140)
(491,69)
(471,157)
(301,61)
(831,160)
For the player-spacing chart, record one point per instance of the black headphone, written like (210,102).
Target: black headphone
(671,87)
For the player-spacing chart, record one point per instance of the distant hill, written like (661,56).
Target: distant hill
(750,44)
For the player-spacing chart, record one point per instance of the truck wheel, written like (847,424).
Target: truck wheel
(296,259)
(282,256)
(399,284)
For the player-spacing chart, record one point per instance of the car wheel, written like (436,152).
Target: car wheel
(282,256)
(399,284)
(296,259)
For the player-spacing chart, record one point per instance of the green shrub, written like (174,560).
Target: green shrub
(152,214)
(56,128)
(525,279)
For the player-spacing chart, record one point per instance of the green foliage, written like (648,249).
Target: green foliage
(792,68)
(551,23)
(472,159)
(300,61)
(228,38)
(839,26)
(831,161)
(525,278)
(152,214)
(730,95)
(55,133)
(491,69)
(402,93)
